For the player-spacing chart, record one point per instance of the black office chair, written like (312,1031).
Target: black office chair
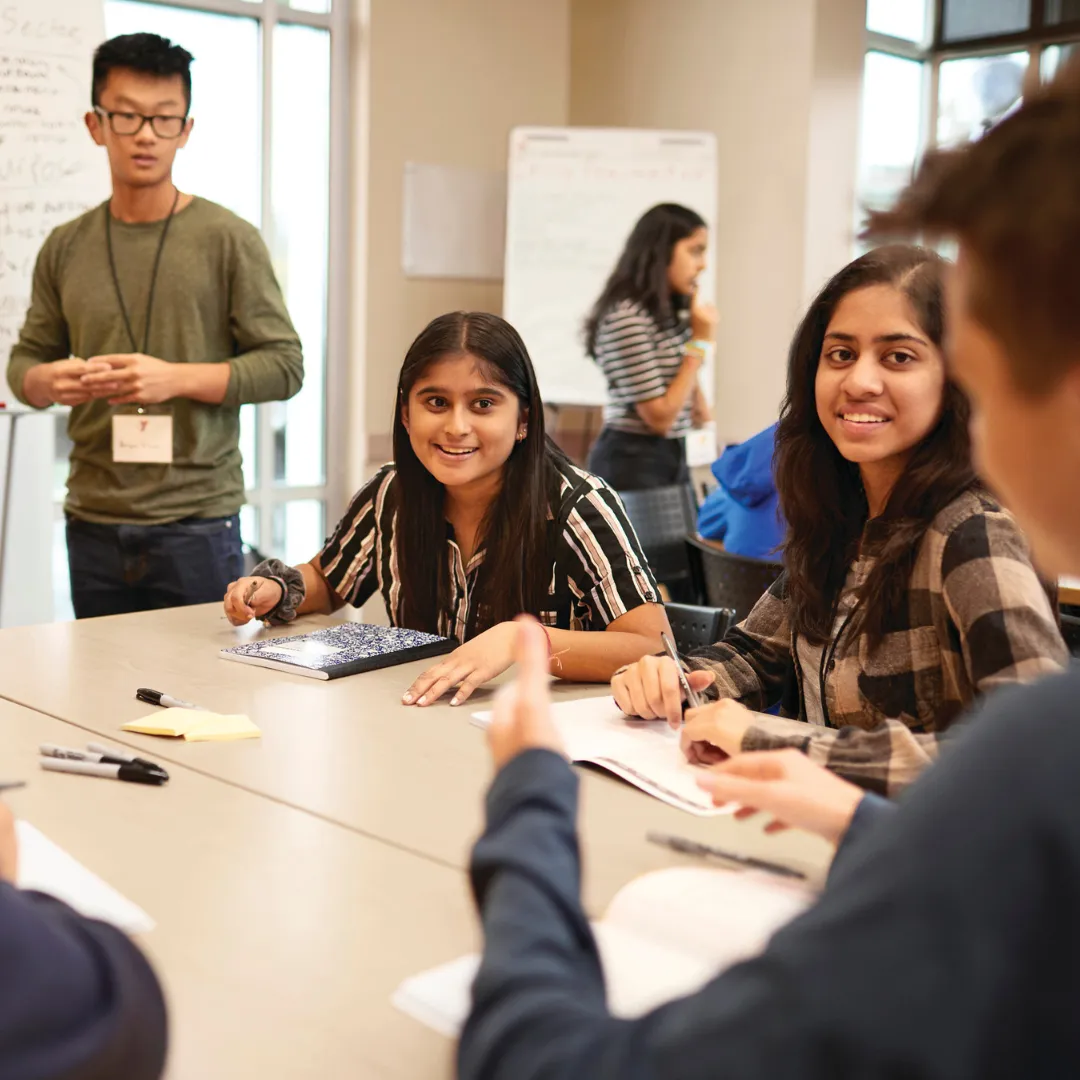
(695,627)
(1070,631)
(252,557)
(730,581)
(662,518)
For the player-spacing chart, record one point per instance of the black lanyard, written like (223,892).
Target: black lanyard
(153,275)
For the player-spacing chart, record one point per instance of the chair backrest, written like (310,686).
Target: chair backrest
(695,627)
(731,581)
(662,518)
(1070,631)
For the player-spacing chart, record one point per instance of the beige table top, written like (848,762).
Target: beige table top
(347,749)
(279,937)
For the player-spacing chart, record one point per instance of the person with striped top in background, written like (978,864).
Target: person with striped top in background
(651,352)
(908,590)
(479,518)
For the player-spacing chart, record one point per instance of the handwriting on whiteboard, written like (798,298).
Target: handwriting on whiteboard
(50,170)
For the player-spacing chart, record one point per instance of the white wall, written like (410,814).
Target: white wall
(446,80)
(779,83)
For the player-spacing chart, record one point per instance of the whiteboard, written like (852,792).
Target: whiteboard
(573,196)
(50,170)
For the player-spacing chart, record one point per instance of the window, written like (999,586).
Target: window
(1061,11)
(890,136)
(262,147)
(974,93)
(984,18)
(905,19)
(944,71)
(1054,56)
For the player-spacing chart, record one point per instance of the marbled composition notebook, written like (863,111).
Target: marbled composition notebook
(336,651)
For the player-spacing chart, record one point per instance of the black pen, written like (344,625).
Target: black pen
(704,851)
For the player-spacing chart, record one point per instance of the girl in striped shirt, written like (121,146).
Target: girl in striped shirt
(479,518)
(650,352)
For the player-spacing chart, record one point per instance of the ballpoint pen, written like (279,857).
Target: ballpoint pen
(692,700)
(705,851)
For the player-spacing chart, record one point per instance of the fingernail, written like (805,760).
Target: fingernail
(422,701)
(454,701)
(407,699)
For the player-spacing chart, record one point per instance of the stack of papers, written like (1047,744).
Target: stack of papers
(194,725)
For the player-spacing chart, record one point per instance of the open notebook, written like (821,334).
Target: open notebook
(644,752)
(664,935)
(48,868)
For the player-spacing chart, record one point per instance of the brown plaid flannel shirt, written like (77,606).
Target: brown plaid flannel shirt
(976,617)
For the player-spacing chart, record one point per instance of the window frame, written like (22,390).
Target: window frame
(268,493)
(933,52)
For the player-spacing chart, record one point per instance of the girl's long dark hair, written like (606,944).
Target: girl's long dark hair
(641,274)
(821,493)
(517,564)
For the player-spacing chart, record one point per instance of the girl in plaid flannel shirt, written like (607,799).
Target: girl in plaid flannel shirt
(908,590)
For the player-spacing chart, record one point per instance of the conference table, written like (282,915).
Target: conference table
(375,804)
(280,937)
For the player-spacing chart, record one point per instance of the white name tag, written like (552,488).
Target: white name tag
(142,439)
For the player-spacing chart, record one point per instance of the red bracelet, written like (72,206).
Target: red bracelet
(547,636)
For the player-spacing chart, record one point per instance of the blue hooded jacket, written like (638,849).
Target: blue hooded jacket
(744,510)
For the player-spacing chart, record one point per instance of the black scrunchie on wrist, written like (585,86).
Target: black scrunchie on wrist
(292,589)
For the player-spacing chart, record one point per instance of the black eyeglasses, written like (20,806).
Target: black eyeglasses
(130,123)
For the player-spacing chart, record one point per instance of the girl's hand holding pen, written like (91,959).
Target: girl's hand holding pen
(650,689)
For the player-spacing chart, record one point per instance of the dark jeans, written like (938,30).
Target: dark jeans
(633,462)
(116,569)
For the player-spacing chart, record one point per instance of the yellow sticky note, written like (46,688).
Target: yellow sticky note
(223,728)
(194,725)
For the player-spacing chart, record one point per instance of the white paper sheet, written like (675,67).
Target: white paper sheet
(645,753)
(665,935)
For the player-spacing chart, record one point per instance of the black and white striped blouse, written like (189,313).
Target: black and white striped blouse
(599,572)
(639,359)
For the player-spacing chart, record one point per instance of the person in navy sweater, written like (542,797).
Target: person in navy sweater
(945,944)
(78,1001)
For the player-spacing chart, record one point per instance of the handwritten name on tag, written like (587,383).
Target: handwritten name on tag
(142,440)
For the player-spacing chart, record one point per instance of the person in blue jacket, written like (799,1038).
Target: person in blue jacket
(78,1001)
(946,944)
(744,511)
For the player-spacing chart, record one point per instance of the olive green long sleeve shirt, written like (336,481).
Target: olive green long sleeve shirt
(216,301)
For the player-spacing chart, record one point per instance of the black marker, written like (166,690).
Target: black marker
(134,774)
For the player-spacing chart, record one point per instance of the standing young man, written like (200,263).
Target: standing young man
(946,942)
(155,317)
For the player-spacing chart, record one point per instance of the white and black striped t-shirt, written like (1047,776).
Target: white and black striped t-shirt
(639,360)
(601,566)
